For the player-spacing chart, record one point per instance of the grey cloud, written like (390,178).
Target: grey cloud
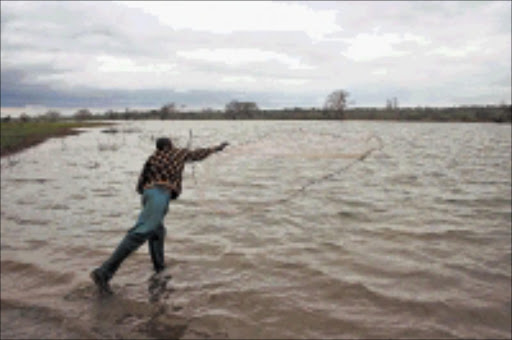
(41,39)
(16,93)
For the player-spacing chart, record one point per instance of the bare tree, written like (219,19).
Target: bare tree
(231,106)
(337,101)
(392,103)
(235,108)
(24,117)
(52,115)
(83,114)
(335,104)
(167,111)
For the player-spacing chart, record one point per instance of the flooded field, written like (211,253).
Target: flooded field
(298,229)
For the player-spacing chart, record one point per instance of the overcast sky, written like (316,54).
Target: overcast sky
(278,54)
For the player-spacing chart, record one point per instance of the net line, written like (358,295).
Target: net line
(330,175)
(236,149)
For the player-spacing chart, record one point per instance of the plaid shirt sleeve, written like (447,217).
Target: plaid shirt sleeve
(199,154)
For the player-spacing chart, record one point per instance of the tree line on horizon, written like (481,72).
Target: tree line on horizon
(335,108)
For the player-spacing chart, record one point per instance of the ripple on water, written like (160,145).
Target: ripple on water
(56,206)
(77,197)
(36,244)
(28,221)
(104,192)
(30,180)
(26,201)
(29,275)
(353,215)
(412,242)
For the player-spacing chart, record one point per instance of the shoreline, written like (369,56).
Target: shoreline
(18,136)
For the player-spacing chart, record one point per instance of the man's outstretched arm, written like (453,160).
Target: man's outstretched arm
(202,153)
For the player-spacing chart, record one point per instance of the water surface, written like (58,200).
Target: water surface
(285,234)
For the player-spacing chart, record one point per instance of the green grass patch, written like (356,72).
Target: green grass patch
(17,135)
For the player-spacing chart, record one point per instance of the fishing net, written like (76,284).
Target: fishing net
(280,165)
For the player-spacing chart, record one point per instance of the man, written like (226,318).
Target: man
(159,183)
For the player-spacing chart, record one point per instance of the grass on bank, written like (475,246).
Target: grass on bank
(18,135)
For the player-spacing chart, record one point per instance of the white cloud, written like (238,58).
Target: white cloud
(223,17)
(454,52)
(420,40)
(380,71)
(292,48)
(292,82)
(240,56)
(368,47)
(111,64)
(237,79)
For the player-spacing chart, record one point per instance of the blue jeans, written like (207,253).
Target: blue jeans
(149,226)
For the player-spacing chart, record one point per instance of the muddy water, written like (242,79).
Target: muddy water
(286,234)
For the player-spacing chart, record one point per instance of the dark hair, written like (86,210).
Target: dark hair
(163,143)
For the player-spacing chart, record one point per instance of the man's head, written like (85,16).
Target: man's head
(163,143)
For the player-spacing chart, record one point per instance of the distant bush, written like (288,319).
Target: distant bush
(480,113)
(83,114)
(52,115)
(24,117)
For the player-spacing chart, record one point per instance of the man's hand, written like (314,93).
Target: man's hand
(222,146)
